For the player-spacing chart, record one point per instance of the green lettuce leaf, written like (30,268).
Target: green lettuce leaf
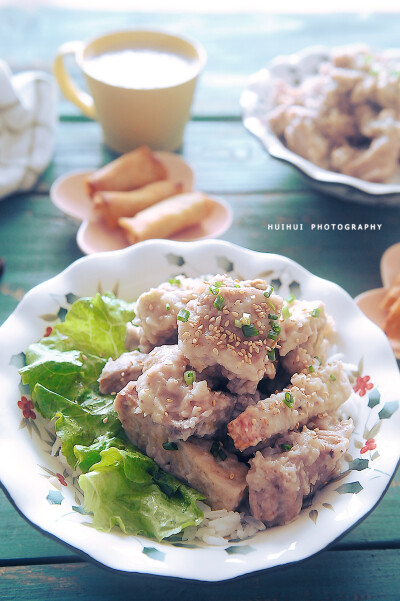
(51,367)
(98,325)
(91,425)
(121,485)
(127,489)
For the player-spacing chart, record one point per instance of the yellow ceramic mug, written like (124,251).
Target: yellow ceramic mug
(141,86)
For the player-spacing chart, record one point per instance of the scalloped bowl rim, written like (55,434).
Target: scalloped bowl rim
(278,150)
(272,548)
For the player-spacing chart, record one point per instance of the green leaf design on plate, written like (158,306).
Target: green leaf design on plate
(313,515)
(373,432)
(17,361)
(328,506)
(185,545)
(388,409)
(154,553)
(225,264)
(374,398)
(349,487)
(276,284)
(347,457)
(61,313)
(359,464)
(358,444)
(55,497)
(71,298)
(239,550)
(79,509)
(175,259)
(295,289)
(375,456)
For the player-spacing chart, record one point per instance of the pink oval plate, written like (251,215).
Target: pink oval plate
(69,195)
(370,301)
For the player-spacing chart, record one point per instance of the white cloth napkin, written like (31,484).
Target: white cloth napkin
(27,127)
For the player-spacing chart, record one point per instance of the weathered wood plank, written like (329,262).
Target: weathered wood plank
(349,258)
(225,158)
(21,542)
(36,242)
(360,575)
(41,241)
(224,36)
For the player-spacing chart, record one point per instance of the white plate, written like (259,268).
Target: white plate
(25,443)
(256,101)
(68,193)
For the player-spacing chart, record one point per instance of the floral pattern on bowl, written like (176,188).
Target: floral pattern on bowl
(55,502)
(256,101)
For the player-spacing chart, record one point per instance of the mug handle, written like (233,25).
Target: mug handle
(68,87)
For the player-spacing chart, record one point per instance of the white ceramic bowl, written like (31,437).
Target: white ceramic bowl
(27,469)
(257,100)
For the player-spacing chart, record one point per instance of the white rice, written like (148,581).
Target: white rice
(220,526)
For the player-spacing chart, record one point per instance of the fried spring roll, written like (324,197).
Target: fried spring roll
(129,172)
(112,205)
(166,217)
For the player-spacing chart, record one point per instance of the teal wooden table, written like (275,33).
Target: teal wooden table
(37,241)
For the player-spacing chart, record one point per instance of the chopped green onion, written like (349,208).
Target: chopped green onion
(271,304)
(137,349)
(271,354)
(288,400)
(168,307)
(290,298)
(272,316)
(285,313)
(333,378)
(222,455)
(216,451)
(243,321)
(183,315)
(268,291)
(316,312)
(175,281)
(190,377)
(311,369)
(170,446)
(318,359)
(236,286)
(214,289)
(219,302)
(249,330)
(214,448)
(275,327)
(272,335)
(286,447)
